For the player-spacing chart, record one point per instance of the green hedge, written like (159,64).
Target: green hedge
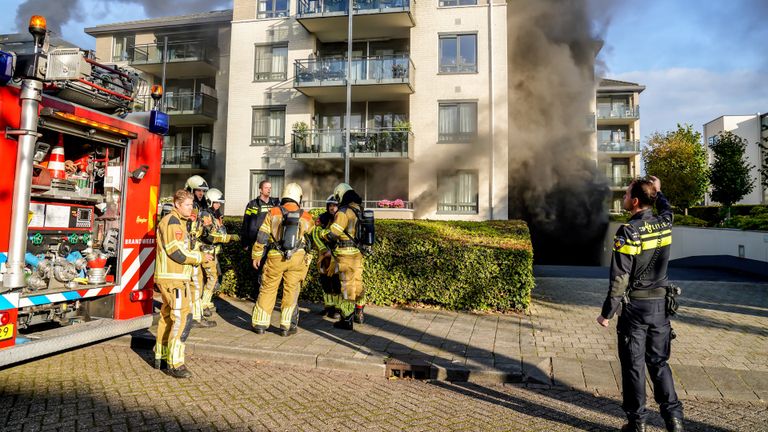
(756,220)
(455,265)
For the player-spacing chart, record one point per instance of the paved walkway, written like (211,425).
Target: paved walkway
(104,388)
(720,351)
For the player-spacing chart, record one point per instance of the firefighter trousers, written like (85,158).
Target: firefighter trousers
(211,273)
(291,272)
(350,271)
(175,322)
(198,281)
(644,334)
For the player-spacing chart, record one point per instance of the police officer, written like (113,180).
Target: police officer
(287,261)
(214,234)
(638,287)
(255,213)
(197,186)
(173,271)
(347,258)
(330,284)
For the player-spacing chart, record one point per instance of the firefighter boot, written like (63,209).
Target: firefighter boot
(259,330)
(179,372)
(207,313)
(161,364)
(634,426)
(674,424)
(285,332)
(345,323)
(359,316)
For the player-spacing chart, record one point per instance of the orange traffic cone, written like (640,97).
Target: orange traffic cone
(56,164)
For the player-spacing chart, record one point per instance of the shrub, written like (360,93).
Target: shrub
(756,220)
(456,265)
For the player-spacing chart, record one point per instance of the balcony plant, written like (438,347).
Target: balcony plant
(400,135)
(300,133)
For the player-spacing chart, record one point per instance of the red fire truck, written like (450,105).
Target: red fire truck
(79,177)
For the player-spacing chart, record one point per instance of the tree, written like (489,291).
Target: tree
(729,173)
(679,159)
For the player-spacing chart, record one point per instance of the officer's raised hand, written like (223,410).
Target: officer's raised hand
(656,182)
(603,321)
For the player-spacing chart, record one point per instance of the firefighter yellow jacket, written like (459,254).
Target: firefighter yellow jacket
(271,229)
(175,257)
(342,231)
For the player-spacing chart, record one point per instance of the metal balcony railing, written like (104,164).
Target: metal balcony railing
(619,113)
(371,141)
(187,157)
(192,103)
(619,181)
(368,204)
(189,51)
(626,146)
(365,70)
(314,8)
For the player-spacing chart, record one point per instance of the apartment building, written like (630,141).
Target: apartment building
(618,135)
(189,55)
(754,129)
(425,126)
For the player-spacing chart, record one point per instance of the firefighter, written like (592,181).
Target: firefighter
(330,284)
(214,234)
(198,186)
(173,271)
(640,289)
(282,235)
(347,258)
(255,213)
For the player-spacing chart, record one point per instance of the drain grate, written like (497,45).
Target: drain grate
(413,368)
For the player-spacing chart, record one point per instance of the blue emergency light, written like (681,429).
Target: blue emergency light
(7,61)
(158,122)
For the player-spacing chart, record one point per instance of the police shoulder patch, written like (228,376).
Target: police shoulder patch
(619,242)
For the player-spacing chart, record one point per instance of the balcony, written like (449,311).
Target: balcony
(375,144)
(619,147)
(187,159)
(377,78)
(184,59)
(623,115)
(191,108)
(619,182)
(373,19)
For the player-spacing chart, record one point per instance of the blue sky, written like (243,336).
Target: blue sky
(698,59)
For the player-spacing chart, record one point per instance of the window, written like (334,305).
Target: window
(458,53)
(457,122)
(268,126)
(445,3)
(457,192)
(122,48)
(276,177)
(272,9)
(271,63)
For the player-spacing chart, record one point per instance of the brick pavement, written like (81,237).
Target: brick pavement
(720,351)
(112,388)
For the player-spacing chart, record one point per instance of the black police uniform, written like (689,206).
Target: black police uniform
(643,328)
(255,213)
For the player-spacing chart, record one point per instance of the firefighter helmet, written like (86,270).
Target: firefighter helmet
(340,190)
(196,182)
(293,192)
(331,200)
(214,196)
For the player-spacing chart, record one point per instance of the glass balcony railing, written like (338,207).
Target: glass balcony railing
(365,70)
(177,52)
(626,146)
(187,157)
(368,204)
(623,112)
(371,142)
(314,8)
(619,181)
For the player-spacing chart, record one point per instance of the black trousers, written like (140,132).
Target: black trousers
(644,340)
